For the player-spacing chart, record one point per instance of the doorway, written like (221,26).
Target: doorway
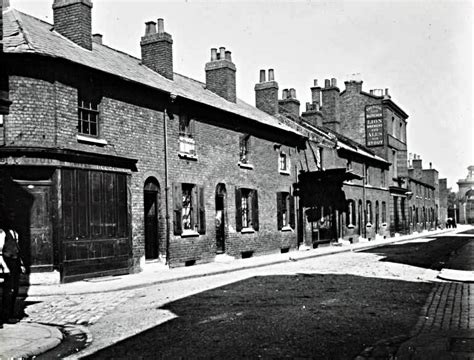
(220,218)
(151,198)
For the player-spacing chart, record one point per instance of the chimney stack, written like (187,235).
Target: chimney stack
(220,74)
(266,93)
(330,106)
(157,49)
(73,20)
(289,102)
(313,115)
(354,86)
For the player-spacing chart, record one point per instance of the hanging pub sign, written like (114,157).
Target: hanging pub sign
(374,125)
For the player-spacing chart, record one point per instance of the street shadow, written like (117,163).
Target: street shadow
(432,254)
(299,316)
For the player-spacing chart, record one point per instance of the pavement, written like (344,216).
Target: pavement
(445,329)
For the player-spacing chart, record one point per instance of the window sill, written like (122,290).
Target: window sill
(284,172)
(91,140)
(189,233)
(247,230)
(244,165)
(187,156)
(286,228)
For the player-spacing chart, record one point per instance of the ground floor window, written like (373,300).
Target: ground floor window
(350,215)
(189,209)
(246,203)
(285,211)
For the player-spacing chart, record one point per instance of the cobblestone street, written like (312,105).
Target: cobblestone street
(74,309)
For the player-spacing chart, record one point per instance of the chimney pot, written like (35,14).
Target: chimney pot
(222,53)
(271,75)
(262,76)
(213,54)
(150,28)
(97,38)
(292,93)
(333,82)
(327,83)
(315,82)
(431,165)
(161,26)
(284,94)
(371,92)
(228,55)
(386,92)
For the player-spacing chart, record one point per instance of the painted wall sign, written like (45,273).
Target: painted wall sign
(374,129)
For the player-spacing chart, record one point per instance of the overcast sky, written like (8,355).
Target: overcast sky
(420,50)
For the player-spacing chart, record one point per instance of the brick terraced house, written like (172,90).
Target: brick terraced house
(110,162)
(423,196)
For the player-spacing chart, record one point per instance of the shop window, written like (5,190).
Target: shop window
(189,209)
(246,203)
(187,142)
(285,211)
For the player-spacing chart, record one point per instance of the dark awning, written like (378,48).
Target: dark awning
(324,188)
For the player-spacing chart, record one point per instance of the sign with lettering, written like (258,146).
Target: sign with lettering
(374,131)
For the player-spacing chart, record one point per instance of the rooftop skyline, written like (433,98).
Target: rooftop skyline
(420,50)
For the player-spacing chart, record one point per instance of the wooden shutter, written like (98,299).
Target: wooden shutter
(291,210)
(279,210)
(255,223)
(177,208)
(82,215)
(68,205)
(238,209)
(201,209)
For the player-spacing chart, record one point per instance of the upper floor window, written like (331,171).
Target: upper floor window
(244,149)
(88,115)
(189,210)
(394,164)
(382,178)
(368,179)
(284,163)
(285,211)
(246,215)
(384,212)
(320,158)
(394,127)
(187,144)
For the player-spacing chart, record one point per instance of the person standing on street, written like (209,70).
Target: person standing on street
(12,266)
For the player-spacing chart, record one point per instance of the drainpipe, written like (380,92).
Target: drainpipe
(167,214)
(364,205)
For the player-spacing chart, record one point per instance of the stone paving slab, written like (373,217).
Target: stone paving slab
(14,343)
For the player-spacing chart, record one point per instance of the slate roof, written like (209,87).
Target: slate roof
(24,33)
